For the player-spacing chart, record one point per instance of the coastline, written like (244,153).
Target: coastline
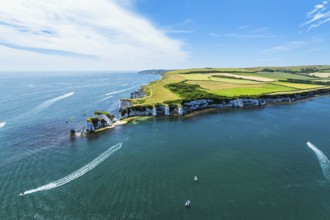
(172,95)
(191,107)
(180,93)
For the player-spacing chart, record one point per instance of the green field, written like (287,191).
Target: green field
(234,81)
(252,91)
(298,85)
(190,84)
(281,75)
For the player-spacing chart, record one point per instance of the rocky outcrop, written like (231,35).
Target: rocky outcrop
(167,110)
(90,126)
(99,120)
(138,94)
(154,111)
(124,103)
(180,110)
(102,117)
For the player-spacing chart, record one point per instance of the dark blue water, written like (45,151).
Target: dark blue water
(251,163)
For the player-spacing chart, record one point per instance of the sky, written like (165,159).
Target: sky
(112,35)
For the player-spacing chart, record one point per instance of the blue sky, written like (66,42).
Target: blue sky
(147,34)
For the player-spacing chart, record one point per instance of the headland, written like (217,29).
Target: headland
(181,92)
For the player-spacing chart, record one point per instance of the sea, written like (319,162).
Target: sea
(254,163)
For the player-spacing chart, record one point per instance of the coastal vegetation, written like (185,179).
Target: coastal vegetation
(178,86)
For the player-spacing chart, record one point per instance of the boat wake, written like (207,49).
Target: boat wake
(78,173)
(109,97)
(2,124)
(323,160)
(119,91)
(45,105)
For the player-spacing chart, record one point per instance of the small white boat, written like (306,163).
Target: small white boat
(2,124)
(187,204)
(196,178)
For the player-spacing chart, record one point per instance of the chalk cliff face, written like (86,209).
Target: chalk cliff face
(90,126)
(154,111)
(167,110)
(104,117)
(128,110)
(138,94)
(124,103)
(180,110)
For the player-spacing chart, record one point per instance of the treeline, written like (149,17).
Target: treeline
(304,70)
(190,92)
(215,71)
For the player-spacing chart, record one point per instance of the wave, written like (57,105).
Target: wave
(45,105)
(78,173)
(2,124)
(323,160)
(119,91)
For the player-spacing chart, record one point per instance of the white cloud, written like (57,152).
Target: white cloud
(259,30)
(214,35)
(251,32)
(288,46)
(318,16)
(243,27)
(177,31)
(250,36)
(183,27)
(100,29)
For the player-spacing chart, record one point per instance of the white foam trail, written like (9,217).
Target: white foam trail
(323,160)
(45,105)
(2,124)
(105,98)
(119,91)
(78,173)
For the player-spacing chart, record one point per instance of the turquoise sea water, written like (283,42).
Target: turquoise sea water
(251,163)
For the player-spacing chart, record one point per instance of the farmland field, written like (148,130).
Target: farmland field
(298,85)
(252,91)
(320,75)
(234,81)
(216,85)
(178,85)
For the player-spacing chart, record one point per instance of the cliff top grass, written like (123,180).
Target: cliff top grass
(192,84)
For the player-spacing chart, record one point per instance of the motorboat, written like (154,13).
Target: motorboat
(187,204)
(196,178)
(2,124)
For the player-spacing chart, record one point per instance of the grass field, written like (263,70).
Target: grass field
(197,76)
(234,81)
(298,85)
(158,93)
(216,85)
(252,91)
(229,82)
(247,77)
(281,75)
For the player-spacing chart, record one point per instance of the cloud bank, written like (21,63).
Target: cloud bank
(92,30)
